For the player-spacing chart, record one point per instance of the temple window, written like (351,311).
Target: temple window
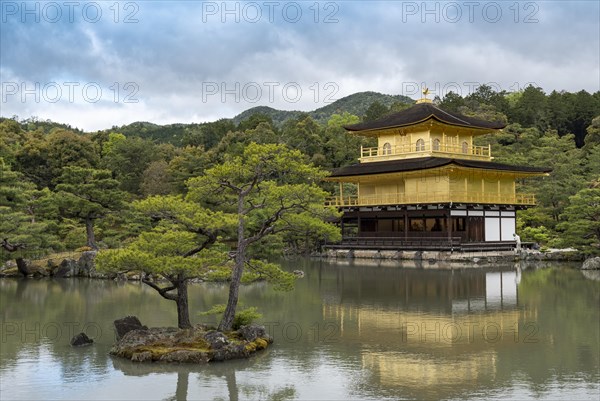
(417,224)
(458,224)
(436,144)
(465,147)
(420,145)
(368,225)
(387,148)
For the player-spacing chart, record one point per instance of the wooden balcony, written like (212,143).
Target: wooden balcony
(432,197)
(442,242)
(425,148)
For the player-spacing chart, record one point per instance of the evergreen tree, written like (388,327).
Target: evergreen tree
(270,190)
(23,227)
(581,220)
(88,195)
(180,247)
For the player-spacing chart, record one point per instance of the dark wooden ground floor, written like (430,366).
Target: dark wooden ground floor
(440,227)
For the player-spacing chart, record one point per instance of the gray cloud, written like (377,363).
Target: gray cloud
(166,60)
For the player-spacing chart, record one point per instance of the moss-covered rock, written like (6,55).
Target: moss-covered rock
(200,344)
(10,272)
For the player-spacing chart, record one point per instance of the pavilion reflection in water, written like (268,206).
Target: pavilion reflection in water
(449,336)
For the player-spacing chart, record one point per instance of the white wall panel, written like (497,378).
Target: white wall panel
(508,229)
(492,229)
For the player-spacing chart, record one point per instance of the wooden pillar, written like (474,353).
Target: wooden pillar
(500,223)
(405,224)
(482,195)
(341,194)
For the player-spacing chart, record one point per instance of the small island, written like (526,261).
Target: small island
(198,344)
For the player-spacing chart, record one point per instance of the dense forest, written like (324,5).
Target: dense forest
(62,189)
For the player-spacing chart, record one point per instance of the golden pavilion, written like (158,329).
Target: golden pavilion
(428,186)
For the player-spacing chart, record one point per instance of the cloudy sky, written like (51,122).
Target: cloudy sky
(98,64)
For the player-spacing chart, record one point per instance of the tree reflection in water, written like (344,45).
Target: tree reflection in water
(220,374)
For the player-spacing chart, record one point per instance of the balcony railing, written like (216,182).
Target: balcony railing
(426,148)
(431,197)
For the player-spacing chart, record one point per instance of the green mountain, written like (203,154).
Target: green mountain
(278,116)
(356,104)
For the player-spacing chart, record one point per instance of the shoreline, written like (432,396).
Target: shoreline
(81,264)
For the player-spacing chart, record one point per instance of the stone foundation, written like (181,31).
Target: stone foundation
(434,257)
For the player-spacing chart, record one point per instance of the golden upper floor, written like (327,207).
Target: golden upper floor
(425,130)
(426,146)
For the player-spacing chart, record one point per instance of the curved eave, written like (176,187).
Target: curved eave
(382,169)
(374,131)
(364,177)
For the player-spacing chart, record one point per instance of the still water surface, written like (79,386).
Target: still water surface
(356,330)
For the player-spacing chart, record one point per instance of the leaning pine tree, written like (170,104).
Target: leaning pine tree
(180,247)
(268,191)
(271,190)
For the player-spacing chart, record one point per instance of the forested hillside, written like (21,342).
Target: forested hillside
(356,104)
(208,134)
(57,183)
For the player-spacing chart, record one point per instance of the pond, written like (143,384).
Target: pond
(350,330)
